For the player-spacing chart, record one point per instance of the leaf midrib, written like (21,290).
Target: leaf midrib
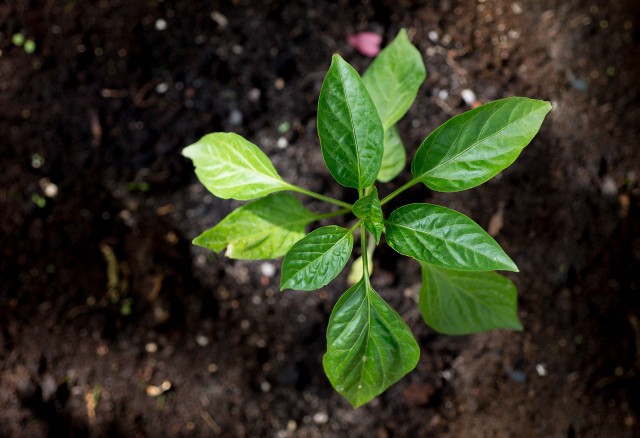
(416,231)
(353,129)
(313,261)
(461,290)
(474,144)
(278,179)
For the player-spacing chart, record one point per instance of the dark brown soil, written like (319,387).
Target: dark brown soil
(109,98)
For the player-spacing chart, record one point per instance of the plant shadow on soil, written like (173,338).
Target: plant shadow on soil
(103,299)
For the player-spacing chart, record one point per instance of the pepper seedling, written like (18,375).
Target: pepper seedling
(369,346)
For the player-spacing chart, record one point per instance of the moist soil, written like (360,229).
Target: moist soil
(113,324)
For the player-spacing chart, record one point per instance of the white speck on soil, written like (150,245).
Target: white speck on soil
(267,269)
(161,24)
(320,418)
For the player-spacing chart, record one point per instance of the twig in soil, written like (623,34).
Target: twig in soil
(209,421)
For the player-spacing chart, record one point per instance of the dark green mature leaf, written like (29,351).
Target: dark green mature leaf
(231,167)
(444,238)
(460,303)
(351,134)
(369,346)
(471,148)
(316,259)
(395,156)
(262,229)
(368,209)
(393,79)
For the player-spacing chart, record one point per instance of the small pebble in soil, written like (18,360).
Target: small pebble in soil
(282,143)
(292,425)
(202,340)
(518,376)
(279,84)
(48,387)
(162,88)
(212,368)
(468,96)
(267,269)
(579,85)
(50,189)
(433,36)
(220,19)
(151,347)
(443,94)
(235,117)
(265,386)
(161,24)
(254,94)
(245,324)
(37,161)
(541,369)
(447,374)
(320,418)
(608,186)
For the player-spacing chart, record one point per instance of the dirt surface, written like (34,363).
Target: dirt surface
(113,324)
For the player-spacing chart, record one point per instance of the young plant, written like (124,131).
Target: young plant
(369,346)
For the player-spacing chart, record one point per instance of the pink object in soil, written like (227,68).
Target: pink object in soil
(367,43)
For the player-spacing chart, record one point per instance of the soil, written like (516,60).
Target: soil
(113,324)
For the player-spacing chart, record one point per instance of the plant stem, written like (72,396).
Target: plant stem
(333,214)
(364,255)
(320,197)
(356,225)
(399,190)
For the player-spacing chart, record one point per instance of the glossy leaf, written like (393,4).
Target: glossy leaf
(351,134)
(369,346)
(394,157)
(262,229)
(316,259)
(368,209)
(231,167)
(471,148)
(459,303)
(444,238)
(393,79)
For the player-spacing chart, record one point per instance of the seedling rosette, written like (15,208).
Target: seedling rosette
(369,346)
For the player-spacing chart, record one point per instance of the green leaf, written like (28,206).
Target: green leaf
(460,303)
(369,346)
(351,134)
(444,238)
(316,259)
(394,77)
(262,229)
(394,157)
(471,148)
(368,209)
(231,167)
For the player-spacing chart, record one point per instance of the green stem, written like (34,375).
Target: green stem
(399,190)
(333,214)
(356,225)
(364,255)
(320,197)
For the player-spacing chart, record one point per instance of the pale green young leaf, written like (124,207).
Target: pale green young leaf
(460,303)
(471,148)
(349,127)
(393,79)
(262,229)
(316,259)
(369,346)
(368,209)
(394,157)
(444,238)
(231,167)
